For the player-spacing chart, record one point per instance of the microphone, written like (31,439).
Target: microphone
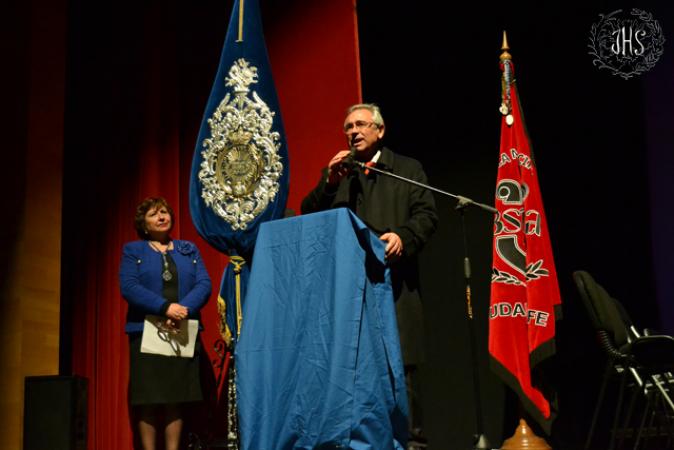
(350,160)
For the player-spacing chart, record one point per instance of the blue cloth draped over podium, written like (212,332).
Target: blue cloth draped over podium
(318,358)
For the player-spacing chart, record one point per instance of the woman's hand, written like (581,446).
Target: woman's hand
(171,326)
(177,311)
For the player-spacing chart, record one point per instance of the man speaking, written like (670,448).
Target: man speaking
(402,214)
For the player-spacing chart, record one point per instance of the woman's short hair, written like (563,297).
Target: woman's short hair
(377,118)
(142,209)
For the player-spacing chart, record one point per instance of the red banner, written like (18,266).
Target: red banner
(524,289)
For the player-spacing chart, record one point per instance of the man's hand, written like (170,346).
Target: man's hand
(394,246)
(337,169)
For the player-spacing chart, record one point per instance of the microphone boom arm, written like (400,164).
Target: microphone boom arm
(463,202)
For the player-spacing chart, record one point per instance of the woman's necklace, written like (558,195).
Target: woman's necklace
(166,273)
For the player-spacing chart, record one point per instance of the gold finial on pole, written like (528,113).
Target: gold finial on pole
(506,80)
(240,39)
(505,55)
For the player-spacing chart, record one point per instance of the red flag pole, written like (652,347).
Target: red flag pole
(524,290)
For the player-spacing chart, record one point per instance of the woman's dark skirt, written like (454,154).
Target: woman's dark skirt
(157,379)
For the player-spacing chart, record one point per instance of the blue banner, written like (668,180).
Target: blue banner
(240,173)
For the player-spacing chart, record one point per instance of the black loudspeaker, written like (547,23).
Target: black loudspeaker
(55,413)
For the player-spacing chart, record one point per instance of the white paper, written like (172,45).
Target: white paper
(159,341)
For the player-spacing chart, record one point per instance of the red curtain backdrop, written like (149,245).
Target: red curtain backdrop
(137,86)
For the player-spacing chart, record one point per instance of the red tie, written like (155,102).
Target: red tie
(369,164)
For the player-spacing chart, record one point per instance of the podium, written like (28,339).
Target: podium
(318,358)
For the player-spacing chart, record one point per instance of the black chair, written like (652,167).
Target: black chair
(642,363)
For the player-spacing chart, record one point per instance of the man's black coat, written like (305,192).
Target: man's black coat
(386,204)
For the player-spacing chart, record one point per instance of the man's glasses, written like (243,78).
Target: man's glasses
(357,125)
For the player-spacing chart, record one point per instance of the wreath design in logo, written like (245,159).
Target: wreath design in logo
(644,37)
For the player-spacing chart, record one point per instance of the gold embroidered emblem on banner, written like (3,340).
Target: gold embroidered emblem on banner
(241,164)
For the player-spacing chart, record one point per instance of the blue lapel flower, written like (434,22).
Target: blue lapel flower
(184,247)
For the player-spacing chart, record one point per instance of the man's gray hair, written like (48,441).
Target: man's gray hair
(374,109)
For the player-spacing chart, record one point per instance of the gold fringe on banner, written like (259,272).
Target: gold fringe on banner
(232,408)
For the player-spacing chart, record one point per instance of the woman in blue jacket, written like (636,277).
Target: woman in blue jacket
(164,277)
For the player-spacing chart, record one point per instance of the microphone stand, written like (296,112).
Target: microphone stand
(462,201)
(480,441)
